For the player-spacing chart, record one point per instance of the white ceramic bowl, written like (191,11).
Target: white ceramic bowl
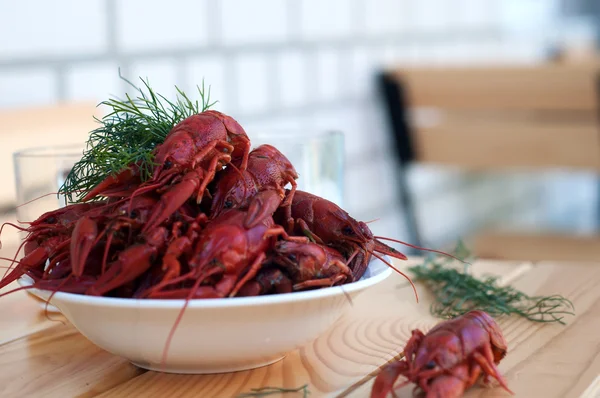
(215,335)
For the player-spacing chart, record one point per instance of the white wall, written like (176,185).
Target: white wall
(289,63)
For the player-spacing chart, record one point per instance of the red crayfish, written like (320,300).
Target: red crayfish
(449,359)
(324,222)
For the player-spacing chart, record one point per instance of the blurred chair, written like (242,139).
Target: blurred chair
(504,118)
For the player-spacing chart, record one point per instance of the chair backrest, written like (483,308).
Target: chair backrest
(51,125)
(497,117)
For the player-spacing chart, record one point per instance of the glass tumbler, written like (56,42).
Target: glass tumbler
(39,173)
(317,156)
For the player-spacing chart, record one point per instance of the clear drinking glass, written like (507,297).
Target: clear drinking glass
(39,173)
(317,156)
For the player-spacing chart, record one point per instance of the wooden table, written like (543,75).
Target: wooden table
(49,358)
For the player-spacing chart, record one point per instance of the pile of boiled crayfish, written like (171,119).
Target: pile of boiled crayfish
(214,220)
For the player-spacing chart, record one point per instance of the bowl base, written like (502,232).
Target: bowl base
(208,369)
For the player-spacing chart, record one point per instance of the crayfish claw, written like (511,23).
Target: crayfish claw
(82,241)
(263,205)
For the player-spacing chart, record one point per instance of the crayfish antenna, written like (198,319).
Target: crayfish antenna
(178,320)
(12,225)
(401,273)
(15,290)
(46,313)
(11,274)
(14,260)
(421,248)
(48,194)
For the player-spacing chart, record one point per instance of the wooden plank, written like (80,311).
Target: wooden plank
(543,87)
(59,362)
(536,247)
(510,145)
(22,315)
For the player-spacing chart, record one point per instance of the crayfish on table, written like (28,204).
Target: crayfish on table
(449,359)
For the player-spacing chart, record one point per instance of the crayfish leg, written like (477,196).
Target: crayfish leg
(323,282)
(487,365)
(384,382)
(449,385)
(254,268)
(474,374)
(212,170)
(280,231)
(314,238)
(290,196)
(246,148)
(412,345)
(209,147)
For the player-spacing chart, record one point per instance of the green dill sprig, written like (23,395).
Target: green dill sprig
(128,134)
(265,391)
(457,293)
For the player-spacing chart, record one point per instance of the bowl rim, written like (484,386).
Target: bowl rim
(229,302)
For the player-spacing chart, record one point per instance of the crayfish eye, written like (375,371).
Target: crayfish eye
(51,220)
(430,365)
(292,257)
(168,164)
(133,214)
(347,231)
(228,204)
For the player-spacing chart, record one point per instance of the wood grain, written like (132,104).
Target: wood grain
(499,144)
(547,360)
(59,362)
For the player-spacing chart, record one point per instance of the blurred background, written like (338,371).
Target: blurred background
(316,65)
